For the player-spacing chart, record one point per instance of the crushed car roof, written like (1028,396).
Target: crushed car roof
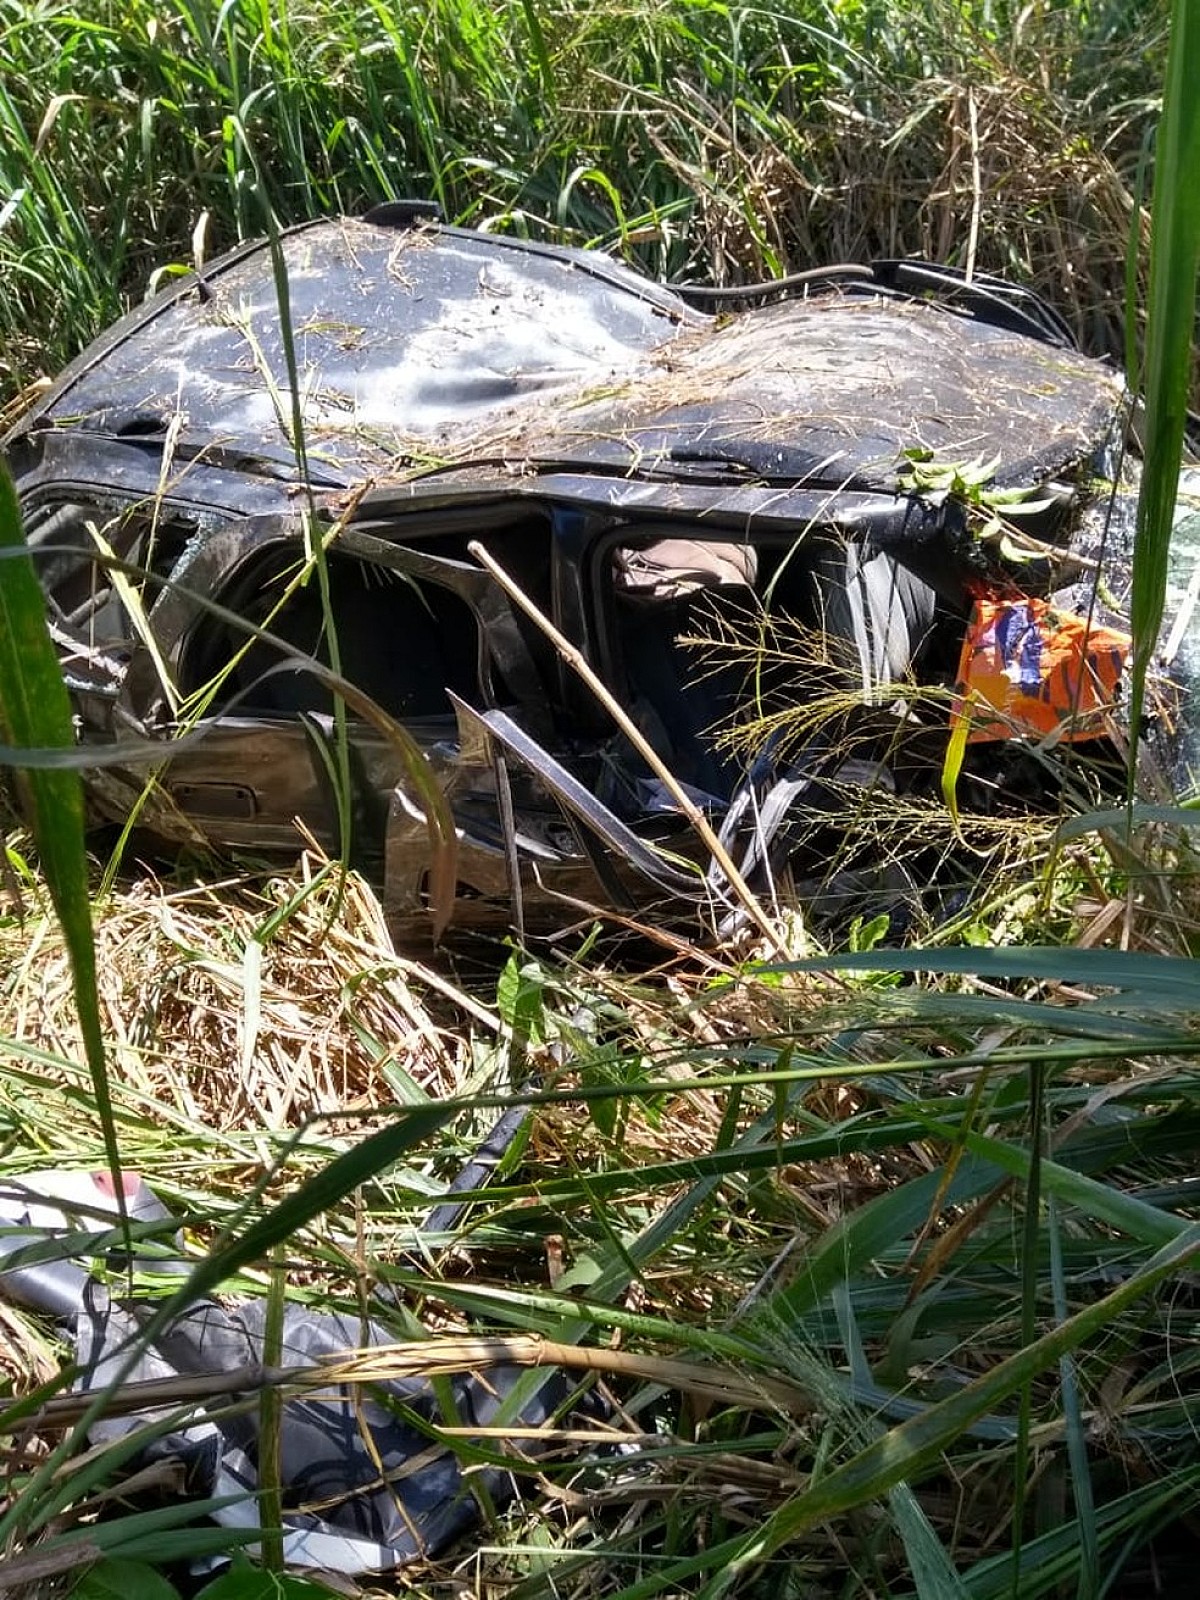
(403,337)
(427,347)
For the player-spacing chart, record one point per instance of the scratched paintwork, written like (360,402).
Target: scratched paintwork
(446,345)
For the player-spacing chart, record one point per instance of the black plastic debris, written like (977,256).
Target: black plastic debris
(367,1485)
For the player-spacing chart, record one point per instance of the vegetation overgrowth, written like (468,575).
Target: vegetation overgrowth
(909,1238)
(708,141)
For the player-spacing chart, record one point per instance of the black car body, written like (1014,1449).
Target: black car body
(645,470)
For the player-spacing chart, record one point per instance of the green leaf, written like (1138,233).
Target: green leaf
(35,710)
(1170,325)
(520,998)
(244,1582)
(1152,980)
(537,44)
(866,1233)
(1077,1440)
(952,762)
(165,1534)
(932,1569)
(1049,1561)
(341,1177)
(1123,817)
(906,1452)
(1106,1202)
(121,1579)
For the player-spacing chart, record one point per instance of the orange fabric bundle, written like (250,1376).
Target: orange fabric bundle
(1028,670)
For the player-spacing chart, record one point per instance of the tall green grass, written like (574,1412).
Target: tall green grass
(704,139)
(1171,319)
(822,1200)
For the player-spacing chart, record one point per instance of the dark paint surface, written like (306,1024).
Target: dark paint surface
(422,347)
(457,386)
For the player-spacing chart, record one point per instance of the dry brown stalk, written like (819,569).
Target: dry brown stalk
(430,1358)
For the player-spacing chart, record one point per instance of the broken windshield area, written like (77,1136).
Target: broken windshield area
(711,638)
(406,643)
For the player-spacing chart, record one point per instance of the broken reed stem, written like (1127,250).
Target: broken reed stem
(575,660)
(530,1350)
(427,1358)
(31,1571)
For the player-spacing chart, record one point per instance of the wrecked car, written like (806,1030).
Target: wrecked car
(745,514)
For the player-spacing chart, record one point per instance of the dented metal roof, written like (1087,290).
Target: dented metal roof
(404,341)
(433,347)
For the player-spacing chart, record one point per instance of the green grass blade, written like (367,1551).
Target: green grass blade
(1108,1204)
(905,1453)
(1133,264)
(1187,816)
(866,1232)
(537,43)
(933,1571)
(1150,979)
(270,1422)
(1031,1229)
(1170,327)
(1050,1558)
(36,711)
(909,1450)
(341,1177)
(1077,1451)
(313,540)
(121,1578)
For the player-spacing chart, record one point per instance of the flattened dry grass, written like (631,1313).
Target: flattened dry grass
(222,1014)
(684,1237)
(246,1047)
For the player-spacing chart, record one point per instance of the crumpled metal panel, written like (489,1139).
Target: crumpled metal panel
(406,342)
(835,388)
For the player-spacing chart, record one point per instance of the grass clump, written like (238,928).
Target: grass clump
(774,1217)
